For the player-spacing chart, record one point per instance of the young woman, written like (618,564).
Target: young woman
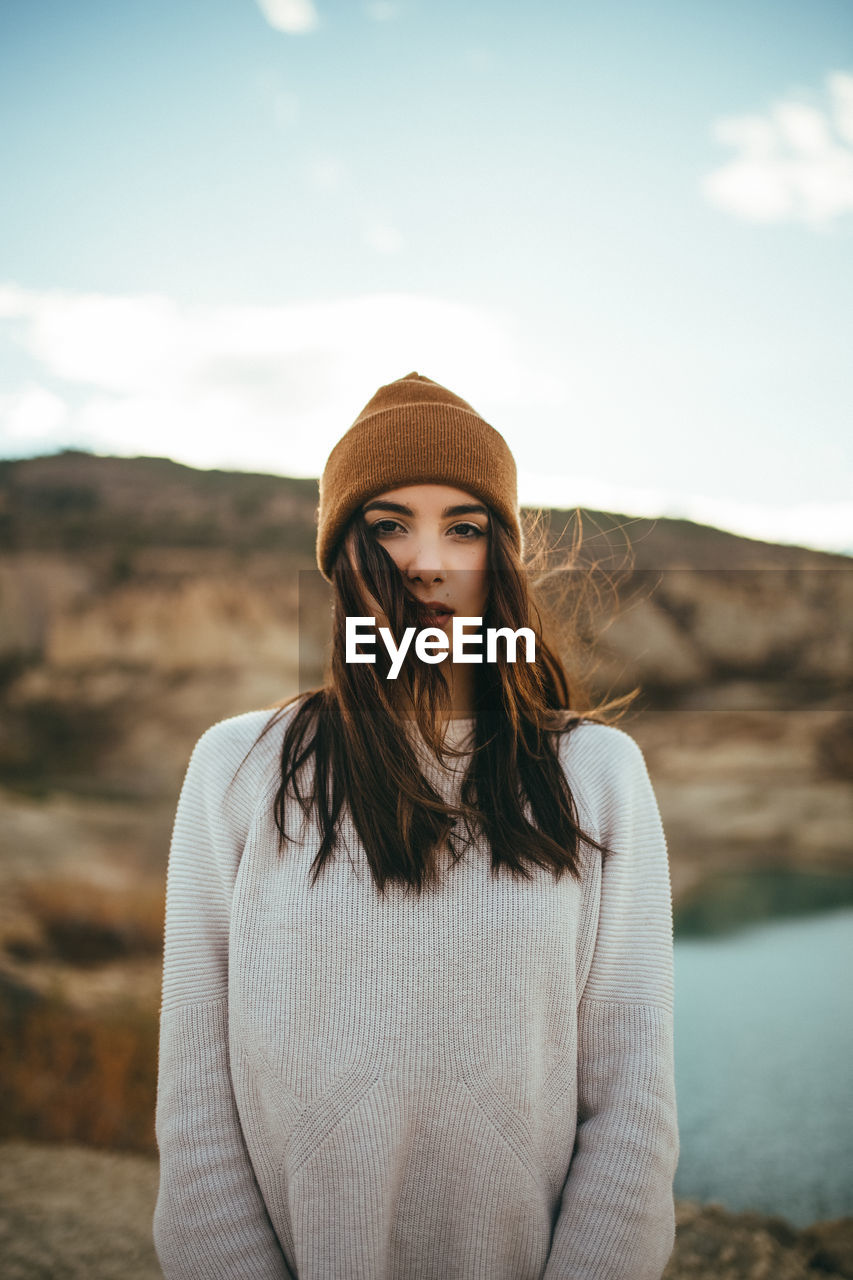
(417,997)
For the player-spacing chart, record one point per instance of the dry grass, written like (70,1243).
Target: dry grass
(73,1075)
(83,923)
(78,1015)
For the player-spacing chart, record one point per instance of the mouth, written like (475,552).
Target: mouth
(434,613)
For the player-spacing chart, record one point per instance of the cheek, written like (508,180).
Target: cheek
(394,552)
(478,583)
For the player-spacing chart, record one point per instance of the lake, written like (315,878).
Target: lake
(764,1063)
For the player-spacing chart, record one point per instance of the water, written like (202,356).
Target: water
(764,1062)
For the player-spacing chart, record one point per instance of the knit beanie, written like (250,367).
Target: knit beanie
(414,431)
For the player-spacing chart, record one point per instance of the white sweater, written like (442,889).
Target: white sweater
(472,1085)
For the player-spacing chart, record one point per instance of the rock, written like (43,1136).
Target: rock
(713,1243)
(830,1246)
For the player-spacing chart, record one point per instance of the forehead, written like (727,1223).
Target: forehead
(427,500)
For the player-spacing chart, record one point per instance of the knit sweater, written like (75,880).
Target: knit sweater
(474,1084)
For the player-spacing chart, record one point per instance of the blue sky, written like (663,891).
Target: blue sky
(624,232)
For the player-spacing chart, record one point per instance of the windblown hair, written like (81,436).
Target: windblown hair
(354,729)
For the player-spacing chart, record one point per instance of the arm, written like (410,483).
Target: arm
(210,1219)
(617,1215)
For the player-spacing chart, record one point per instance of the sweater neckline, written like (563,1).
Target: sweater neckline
(458,731)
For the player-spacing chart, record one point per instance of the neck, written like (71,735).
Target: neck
(461,691)
(461,694)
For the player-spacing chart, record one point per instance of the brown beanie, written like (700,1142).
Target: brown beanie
(414,431)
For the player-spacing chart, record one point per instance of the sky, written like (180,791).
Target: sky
(622,231)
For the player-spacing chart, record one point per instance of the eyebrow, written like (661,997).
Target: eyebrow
(463,509)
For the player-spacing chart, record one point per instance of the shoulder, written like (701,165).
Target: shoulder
(239,755)
(600,749)
(232,737)
(605,768)
(239,734)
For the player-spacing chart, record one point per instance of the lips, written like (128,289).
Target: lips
(434,612)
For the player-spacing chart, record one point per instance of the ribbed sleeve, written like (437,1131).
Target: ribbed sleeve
(616,1219)
(210,1219)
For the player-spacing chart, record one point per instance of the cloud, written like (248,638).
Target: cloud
(826,526)
(383,237)
(294,17)
(33,414)
(795,163)
(257,387)
(841,89)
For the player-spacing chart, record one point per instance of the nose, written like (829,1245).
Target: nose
(424,575)
(425,563)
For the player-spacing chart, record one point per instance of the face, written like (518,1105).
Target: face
(438,537)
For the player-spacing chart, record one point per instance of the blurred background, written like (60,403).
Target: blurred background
(624,233)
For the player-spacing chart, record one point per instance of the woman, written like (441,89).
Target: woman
(417,999)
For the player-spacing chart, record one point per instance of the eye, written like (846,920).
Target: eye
(465,530)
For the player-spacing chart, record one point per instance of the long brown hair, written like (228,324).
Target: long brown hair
(352,728)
